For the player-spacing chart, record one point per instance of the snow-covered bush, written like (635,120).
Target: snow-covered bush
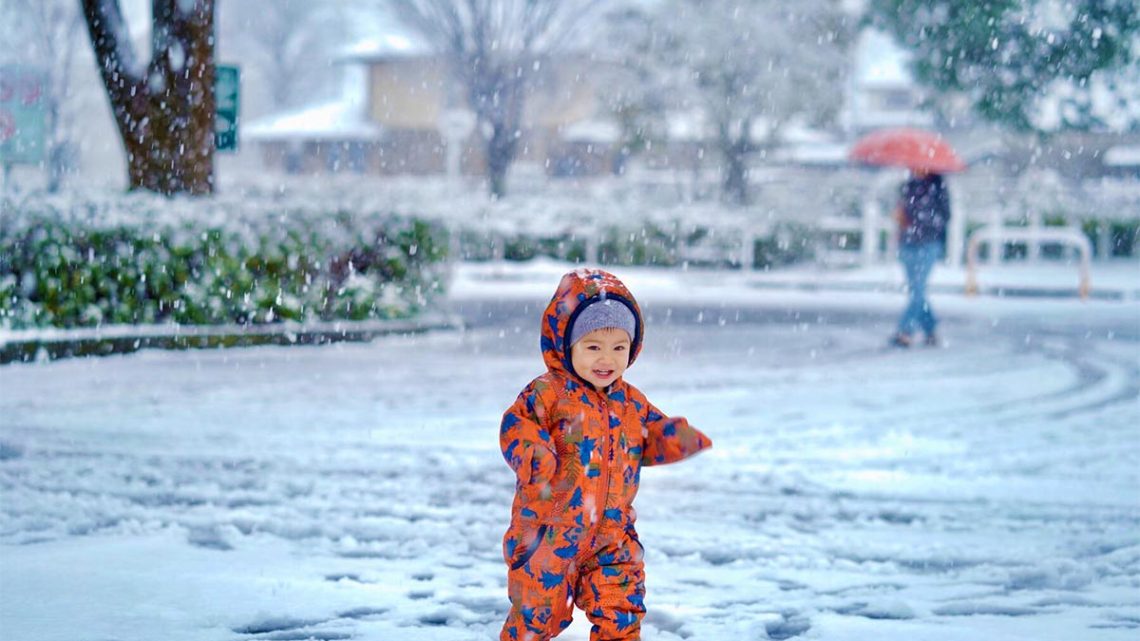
(153,261)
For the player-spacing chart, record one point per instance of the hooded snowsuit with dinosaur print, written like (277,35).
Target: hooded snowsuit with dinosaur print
(577,453)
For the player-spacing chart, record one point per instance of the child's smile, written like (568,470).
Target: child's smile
(601,356)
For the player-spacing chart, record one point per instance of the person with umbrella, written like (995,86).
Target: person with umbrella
(922,215)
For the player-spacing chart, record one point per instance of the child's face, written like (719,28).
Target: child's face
(601,356)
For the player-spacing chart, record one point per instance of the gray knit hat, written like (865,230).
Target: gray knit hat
(603,314)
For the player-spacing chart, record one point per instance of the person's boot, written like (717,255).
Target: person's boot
(932,340)
(899,339)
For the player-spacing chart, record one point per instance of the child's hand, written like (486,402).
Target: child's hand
(670,439)
(543,465)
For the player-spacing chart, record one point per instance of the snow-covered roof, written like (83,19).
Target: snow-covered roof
(592,130)
(831,154)
(395,44)
(692,126)
(340,120)
(792,132)
(797,132)
(874,119)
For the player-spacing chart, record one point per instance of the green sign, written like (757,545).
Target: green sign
(227,81)
(23,114)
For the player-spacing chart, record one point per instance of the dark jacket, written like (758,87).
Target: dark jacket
(926,208)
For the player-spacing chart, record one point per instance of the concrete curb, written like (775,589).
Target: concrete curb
(999,291)
(21,346)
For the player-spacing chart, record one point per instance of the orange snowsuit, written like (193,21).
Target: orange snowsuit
(577,453)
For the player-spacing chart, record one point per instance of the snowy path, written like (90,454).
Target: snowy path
(983,491)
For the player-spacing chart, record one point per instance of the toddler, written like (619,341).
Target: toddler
(577,437)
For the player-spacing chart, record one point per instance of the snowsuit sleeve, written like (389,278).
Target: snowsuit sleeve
(525,441)
(668,440)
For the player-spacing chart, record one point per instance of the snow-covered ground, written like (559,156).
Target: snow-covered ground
(983,490)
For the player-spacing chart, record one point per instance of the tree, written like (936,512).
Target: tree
(634,86)
(744,66)
(1037,65)
(164,110)
(494,48)
(287,42)
(45,30)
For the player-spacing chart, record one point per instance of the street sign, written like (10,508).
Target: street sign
(227,81)
(23,114)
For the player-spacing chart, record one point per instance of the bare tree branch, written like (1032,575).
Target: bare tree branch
(491,47)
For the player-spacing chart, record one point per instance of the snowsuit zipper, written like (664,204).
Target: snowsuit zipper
(607,457)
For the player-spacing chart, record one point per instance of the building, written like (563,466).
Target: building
(881,91)
(402,111)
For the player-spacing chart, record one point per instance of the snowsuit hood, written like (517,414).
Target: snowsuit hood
(578,290)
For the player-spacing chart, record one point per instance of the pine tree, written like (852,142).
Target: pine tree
(1037,65)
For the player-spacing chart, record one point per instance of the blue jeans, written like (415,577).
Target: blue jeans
(918,260)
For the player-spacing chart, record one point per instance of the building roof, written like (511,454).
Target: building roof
(395,44)
(813,153)
(342,120)
(595,130)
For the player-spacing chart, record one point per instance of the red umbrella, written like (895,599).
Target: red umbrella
(914,149)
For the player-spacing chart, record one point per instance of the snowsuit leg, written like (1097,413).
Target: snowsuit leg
(540,581)
(611,586)
(544,583)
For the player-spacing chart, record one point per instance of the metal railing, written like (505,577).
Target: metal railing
(998,236)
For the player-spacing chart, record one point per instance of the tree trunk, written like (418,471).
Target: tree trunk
(500,154)
(56,148)
(735,152)
(57,166)
(165,111)
(494,49)
(497,100)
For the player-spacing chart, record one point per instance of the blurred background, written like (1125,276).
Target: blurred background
(714,124)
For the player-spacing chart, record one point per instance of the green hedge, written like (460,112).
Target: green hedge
(647,244)
(63,269)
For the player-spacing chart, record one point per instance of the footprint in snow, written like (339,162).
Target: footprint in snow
(790,625)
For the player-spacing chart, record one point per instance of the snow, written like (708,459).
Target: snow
(687,126)
(880,62)
(983,490)
(337,121)
(813,153)
(875,286)
(1122,156)
(177,55)
(592,131)
(879,77)
(387,46)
